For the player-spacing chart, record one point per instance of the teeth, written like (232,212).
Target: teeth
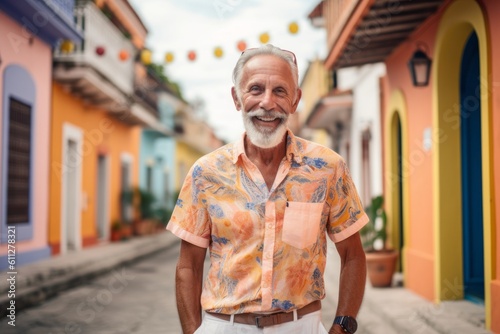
(266,119)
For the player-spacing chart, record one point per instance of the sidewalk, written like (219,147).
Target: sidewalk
(41,280)
(407,312)
(396,308)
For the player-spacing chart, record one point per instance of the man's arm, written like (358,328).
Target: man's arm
(188,285)
(352,278)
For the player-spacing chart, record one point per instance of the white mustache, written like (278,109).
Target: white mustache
(263,113)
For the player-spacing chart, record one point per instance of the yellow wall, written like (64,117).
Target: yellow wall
(314,86)
(460,19)
(396,116)
(185,157)
(102,134)
(321,137)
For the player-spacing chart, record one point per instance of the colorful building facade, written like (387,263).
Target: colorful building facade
(27,28)
(440,138)
(94,157)
(99,107)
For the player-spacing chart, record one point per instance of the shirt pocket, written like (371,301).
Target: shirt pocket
(301,223)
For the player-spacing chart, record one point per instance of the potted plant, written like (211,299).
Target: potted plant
(126,230)
(146,224)
(127,203)
(380,259)
(116,231)
(162,215)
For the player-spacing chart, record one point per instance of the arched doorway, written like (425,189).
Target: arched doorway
(398,206)
(471,175)
(462,20)
(397,178)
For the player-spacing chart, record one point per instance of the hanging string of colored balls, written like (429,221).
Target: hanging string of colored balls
(67,47)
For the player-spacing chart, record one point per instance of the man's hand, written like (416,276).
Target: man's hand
(188,285)
(352,278)
(336,329)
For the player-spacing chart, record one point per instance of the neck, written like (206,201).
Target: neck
(266,156)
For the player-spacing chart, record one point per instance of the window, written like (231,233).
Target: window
(366,167)
(18,131)
(127,195)
(19,162)
(149,178)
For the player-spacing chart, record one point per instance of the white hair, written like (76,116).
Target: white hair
(267,49)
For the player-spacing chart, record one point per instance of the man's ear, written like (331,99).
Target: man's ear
(236,100)
(297,100)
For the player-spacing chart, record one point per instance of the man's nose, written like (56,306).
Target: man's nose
(267,102)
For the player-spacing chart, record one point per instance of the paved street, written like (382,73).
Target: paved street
(138,298)
(131,299)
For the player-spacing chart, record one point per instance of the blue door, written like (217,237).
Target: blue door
(472,199)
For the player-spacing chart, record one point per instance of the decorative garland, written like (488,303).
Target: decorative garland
(67,46)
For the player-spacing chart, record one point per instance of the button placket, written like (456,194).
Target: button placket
(268,256)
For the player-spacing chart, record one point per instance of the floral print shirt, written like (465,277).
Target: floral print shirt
(267,247)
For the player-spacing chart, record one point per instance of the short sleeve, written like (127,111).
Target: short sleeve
(190,220)
(346,216)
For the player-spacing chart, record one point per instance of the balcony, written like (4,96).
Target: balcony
(333,109)
(64,8)
(146,88)
(104,80)
(367,31)
(123,14)
(50,20)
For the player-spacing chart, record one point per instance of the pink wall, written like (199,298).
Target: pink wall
(417,167)
(36,58)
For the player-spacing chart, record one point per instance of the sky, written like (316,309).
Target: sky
(179,26)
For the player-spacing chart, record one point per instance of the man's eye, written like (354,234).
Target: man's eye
(254,88)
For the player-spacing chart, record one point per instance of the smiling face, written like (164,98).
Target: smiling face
(267,96)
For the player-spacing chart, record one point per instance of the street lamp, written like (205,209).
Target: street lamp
(420,68)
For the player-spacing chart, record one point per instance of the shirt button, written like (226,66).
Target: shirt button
(270,226)
(269,256)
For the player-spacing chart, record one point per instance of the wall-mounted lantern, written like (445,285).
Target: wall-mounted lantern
(420,68)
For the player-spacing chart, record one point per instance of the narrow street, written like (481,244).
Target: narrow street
(131,299)
(139,298)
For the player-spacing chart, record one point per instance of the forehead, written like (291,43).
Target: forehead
(263,66)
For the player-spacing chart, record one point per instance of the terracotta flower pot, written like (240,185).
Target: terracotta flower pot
(126,231)
(381,266)
(116,235)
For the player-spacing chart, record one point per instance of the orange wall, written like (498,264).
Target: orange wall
(492,10)
(102,134)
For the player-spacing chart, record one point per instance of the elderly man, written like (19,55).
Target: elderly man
(263,206)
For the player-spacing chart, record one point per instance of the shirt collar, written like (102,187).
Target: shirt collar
(293,151)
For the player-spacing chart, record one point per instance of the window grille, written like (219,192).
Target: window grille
(19,162)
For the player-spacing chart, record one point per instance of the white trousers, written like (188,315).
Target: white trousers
(308,324)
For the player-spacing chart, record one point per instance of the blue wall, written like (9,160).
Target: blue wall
(157,151)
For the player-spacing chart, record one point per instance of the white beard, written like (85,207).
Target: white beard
(262,137)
